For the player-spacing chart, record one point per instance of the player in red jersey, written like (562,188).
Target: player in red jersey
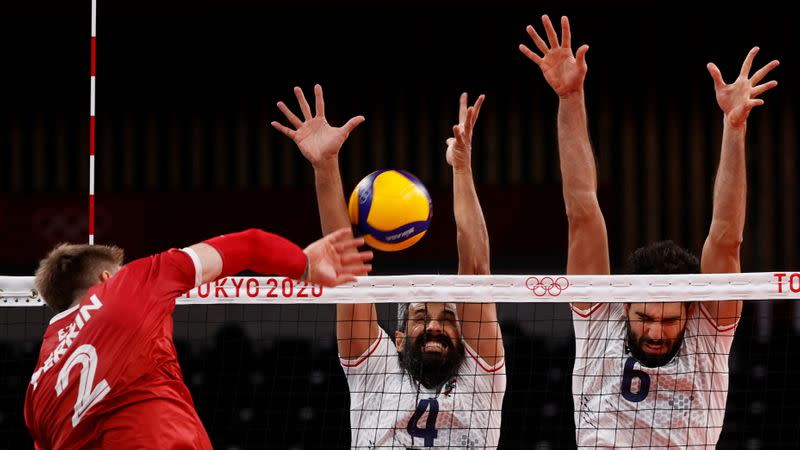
(108,374)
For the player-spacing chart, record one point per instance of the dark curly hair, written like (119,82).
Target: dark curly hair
(664,257)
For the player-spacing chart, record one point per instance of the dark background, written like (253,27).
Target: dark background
(185,93)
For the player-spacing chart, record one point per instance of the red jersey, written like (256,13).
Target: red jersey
(108,374)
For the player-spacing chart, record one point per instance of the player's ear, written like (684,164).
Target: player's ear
(104,276)
(399,339)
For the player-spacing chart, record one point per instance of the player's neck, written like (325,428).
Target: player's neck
(79,296)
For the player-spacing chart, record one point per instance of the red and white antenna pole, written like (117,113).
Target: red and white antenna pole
(91,123)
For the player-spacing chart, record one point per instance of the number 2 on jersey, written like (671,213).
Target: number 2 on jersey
(86,356)
(627,380)
(429,433)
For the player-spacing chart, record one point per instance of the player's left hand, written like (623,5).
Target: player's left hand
(738,98)
(317,140)
(459,147)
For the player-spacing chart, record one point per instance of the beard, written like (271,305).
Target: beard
(636,347)
(431,369)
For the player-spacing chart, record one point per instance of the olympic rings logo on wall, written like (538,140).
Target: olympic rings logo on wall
(547,286)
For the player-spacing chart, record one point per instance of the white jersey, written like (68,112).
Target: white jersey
(621,404)
(389,411)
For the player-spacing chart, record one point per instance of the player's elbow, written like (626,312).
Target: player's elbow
(473,256)
(724,235)
(582,207)
(250,232)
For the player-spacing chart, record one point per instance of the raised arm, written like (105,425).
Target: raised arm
(565,73)
(721,249)
(479,326)
(319,142)
(330,261)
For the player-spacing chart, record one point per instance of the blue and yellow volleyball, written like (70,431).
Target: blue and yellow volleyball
(391,209)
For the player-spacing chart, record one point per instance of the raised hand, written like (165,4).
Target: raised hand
(738,98)
(563,71)
(334,259)
(459,147)
(316,138)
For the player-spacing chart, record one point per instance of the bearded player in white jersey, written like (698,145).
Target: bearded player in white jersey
(648,375)
(439,383)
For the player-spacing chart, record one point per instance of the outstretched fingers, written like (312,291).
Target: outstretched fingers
(319,100)
(580,56)
(748,62)
(346,242)
(294,120)
(762,72)
(566,34)
(359,270)
(340,236)
(477,108)
(552,37)
(356,259)
(530,54)
(288,132)
(761,88)
(352,124)
(462,107)
(537,39)
(342,279)
(301,99)
(716,75)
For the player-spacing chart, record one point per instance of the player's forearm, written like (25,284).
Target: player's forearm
(588,240)
(258,251)
(471,234)
(330,196)
(578,170)
(730,189)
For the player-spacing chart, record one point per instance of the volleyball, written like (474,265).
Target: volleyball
(391,209)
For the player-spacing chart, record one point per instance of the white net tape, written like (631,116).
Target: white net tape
(19,291)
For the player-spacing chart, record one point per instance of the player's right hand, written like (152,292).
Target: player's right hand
(318,141)
(563,71)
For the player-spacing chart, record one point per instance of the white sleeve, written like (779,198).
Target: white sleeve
(480,364)
(715,340)
(198,265)
(367,373)
(488,382)
(595,328)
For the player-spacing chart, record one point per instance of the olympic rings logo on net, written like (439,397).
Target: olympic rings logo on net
(547,286)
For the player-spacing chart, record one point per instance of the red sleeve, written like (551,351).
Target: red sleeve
(155,281)
(259,251)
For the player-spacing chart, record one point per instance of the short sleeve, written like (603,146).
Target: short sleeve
(368,372)
(711,338)
(484,377)
(480,364)
(155,281)
(595,328)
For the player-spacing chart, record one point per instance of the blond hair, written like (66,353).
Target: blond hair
(69,270)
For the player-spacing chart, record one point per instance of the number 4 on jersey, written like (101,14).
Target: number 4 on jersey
(429,433)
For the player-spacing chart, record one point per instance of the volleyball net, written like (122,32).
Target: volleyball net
(19,291)
(259,354)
